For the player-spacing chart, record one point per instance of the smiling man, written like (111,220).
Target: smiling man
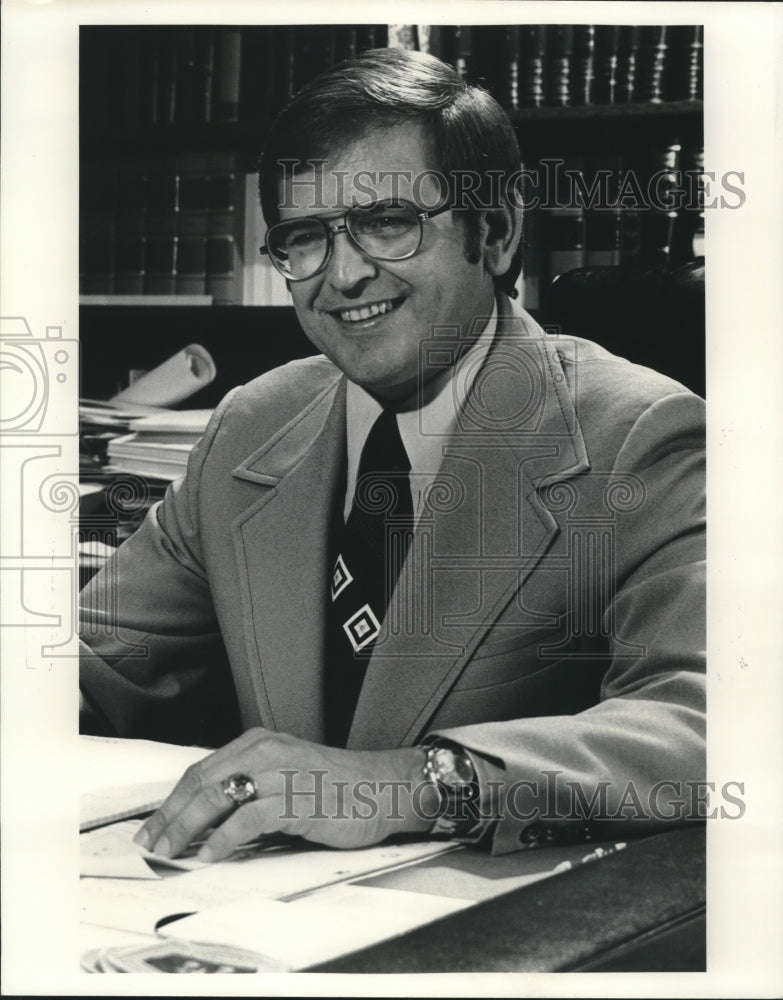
(450,572)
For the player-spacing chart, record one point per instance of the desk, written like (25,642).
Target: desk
(641,910)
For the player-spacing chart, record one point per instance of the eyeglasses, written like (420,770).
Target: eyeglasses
(300,248)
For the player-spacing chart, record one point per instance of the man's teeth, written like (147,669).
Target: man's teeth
(366,312)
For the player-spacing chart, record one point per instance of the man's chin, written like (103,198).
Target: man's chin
(385,387)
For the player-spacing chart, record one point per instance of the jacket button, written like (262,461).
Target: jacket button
(531,834)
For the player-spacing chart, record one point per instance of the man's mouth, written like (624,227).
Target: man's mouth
(361,314)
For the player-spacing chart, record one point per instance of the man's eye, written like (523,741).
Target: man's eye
(302,239)
(385,225)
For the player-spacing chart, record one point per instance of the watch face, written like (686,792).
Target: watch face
(451,768)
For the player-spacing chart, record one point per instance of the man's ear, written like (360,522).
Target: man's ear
(501,231)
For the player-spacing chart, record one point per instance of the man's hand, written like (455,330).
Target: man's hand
(342,798)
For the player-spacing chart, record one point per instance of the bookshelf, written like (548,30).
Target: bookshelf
(173,119)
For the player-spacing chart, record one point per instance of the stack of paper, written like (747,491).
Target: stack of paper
(160,444)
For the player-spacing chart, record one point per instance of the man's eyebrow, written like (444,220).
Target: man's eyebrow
(336,213)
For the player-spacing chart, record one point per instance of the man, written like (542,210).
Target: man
(526,655)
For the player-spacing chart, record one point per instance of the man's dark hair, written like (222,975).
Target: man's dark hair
(381,88)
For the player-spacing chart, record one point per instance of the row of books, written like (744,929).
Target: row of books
(164,226)
(557,65)
(189,75)
(644,209)
(184,75)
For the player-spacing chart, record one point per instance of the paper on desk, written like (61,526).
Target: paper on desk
(176,379)
(314,928)
(185,422)
(110,852)
(136,904)
(120,777)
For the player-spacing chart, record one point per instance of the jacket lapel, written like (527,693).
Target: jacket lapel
(483,532)
(281,546)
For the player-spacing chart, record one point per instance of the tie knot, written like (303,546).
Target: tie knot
(383,450)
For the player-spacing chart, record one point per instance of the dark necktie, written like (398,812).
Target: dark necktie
(370,556)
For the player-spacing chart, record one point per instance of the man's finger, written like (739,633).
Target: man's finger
(248,822)
(180,828)
(186,789)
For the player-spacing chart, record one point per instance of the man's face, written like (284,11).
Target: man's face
(435,287)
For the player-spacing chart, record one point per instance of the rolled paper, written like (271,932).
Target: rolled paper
(173,381)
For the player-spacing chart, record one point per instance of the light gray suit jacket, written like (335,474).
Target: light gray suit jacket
(554,589)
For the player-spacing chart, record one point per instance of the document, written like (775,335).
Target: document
(123,778)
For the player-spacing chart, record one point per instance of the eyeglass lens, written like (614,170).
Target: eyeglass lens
(386,232)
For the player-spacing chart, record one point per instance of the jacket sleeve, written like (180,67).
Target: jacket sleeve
(636,760)
(152,662)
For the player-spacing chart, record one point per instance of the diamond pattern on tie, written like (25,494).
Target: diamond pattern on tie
(340,578)
(362,628)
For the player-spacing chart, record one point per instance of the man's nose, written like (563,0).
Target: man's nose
(348,265)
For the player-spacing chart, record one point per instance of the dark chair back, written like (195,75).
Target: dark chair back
(654,317)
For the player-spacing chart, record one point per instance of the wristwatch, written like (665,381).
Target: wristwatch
(450,769)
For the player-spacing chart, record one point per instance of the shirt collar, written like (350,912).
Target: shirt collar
(438,415)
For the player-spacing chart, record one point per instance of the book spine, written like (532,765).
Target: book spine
(277,87)
(228,65)
(496,62)
(529,286)
(345,42)
(167,76)
(603,218)
(658,224)
(205,71)
(653,47)
(565,223)
(688,240)
(194,75)
(192,225)
(185,104)
(560,46)
(631,200)
(431,39)
(131,229)
(532,55)
(607,38)
(160,275)
(149,82)
(457,44)
(313,53)
(371,36)
(98,207)
(508,91)
(685,77)
(582,65)
(627,55)
(225,241)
